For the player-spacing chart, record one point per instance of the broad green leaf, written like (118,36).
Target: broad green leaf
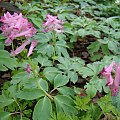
(82,32)
(42,109)
(30,94)
(35,20)
(60,80)
(45,49)
(4,58)
(73,76)
(61,49)
(113,46)
(85,71)
(116,101)
(91,90)
(66,91)
(73,38)
(4,115)
(19,77)
(43,60)
(41,37)
(65,63)
(105,49)
(4,101)
(94,47)
(1,45)
(65,104)
(50,73)
(43,84)
(94,33)
(13,90)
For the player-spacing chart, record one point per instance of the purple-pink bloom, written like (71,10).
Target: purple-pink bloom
(20,49)
(28,69)
(112,81)
(107,73)
(52,23)
(15,26)
(33,44)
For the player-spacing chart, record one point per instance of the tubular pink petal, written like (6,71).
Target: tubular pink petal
(33,44)
(20,49)
(117,76)
(52,23)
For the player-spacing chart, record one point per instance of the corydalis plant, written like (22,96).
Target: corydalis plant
(15,26)
(52,23)
(113,83)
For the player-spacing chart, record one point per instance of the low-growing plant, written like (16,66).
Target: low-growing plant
(49,79)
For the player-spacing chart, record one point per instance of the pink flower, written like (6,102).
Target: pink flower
(20,49)
(33,44)
(15,26)
(113,83)
(107,73)
(116,83)
(52,23)
(28,69)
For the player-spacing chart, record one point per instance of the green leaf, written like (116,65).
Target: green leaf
(116,101)
(113,46)
(94,33)
(73,76)
(20,77)
(60,80)
(43,60)
(82,32)
(94,47)
(91,90)
(4,58)
(50,73)
(4,101)
(105,104)
(85,71)
(105,49)
(30,94)
(1,45)
(65,63)
(4,115)
(43,84)
(42,109)
(42,38)
(65,104)
(45,49)
(61,49)
(82,103)
(66,91)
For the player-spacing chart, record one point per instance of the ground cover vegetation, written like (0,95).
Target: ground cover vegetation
(60,60)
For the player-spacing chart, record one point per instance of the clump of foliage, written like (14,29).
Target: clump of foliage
(62,57)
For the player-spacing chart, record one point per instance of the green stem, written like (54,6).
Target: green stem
(49,96)
(19,109)
(12,46)
(54,42)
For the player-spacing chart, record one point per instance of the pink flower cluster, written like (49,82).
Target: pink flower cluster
(112,82)
(52,23)
(15,26)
